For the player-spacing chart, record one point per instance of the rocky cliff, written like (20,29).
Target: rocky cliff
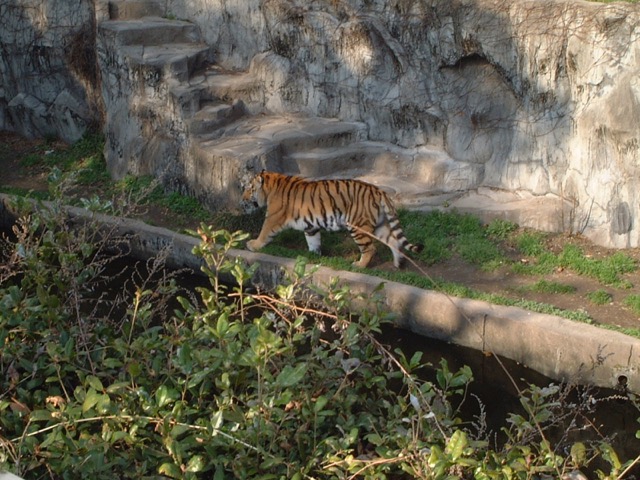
(529,110)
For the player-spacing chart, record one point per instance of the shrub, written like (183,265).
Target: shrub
(231,382)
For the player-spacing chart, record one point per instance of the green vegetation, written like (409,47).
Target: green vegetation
(227,382)
(607,271)
(445,235)
(545,286)
(600,297)
(82,165)
(633,302)
(531,244)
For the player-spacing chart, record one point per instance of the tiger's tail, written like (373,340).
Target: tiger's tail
(396,232)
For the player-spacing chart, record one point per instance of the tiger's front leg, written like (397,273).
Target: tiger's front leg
(266,235)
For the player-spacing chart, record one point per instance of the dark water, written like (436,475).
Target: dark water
(595,413)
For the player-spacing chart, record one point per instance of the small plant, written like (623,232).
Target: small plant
(531,243)
(545,286)
(633,302)
(501,229)
(599,297)
(478,250)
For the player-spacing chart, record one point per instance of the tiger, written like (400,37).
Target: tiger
(294,202)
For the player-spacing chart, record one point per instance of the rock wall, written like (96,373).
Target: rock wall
(48,72)
(543,96)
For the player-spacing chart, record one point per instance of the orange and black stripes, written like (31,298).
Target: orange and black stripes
(307,205)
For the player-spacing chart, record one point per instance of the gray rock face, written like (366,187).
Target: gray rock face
(524,110)
(47,68)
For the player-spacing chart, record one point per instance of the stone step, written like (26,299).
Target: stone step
(214,116)
(215,85)
(175,60)
(231,86)
(547,213)
(288,133)
(429,168)
(150,31)
(131,9)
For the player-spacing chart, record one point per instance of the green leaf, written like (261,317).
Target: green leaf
(38,415)
(95,383)
(170,469)
(457,444)
(165,395)
(184,360)
(609,454)
(196,463)
(578,453)
(90,400)
(216,421)
(118,386)
(320,403)
(289,375)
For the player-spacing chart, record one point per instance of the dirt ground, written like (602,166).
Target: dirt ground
(502,281)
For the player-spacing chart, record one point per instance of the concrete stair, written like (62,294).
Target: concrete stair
(230,133)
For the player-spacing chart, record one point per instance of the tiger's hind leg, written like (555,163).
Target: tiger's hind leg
(386,236)
(312,236)
(363,239)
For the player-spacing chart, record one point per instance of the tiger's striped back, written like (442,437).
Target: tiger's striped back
(311,205)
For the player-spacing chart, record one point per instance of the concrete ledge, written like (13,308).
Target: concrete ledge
(556,347)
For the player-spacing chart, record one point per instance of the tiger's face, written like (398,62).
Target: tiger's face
(254,195)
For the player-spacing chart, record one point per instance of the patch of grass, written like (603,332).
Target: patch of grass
(23,192)
(75,157)
(607,270)
(92,170)
(545,286)
(633,302)
(446,233)
(143,189)
(599,297)
(247,222)
(531,243)
(501,229)
(184,205)
(31,160)
(478,250)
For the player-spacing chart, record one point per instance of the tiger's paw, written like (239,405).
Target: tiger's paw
(253,245)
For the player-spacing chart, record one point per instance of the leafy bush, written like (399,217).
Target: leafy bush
(230,382)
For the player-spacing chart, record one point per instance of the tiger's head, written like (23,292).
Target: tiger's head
(254,195)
